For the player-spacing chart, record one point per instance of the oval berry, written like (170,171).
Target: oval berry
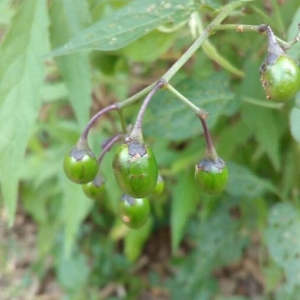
(134,212)
(211,176)
(94,189)
(135,169)
(80,164)
(281,80)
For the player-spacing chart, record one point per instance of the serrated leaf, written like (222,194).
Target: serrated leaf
(295,123)
(282,236)
(127,25)
(72,16)
(21,73)
(169,118)
(243,184)
(135,240)
(185,196)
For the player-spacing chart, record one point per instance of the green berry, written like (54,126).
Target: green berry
(280,74)
(80,164)
(94,189)
(159,187)
(134,212)
(281,80)
(211,175)
(135,169)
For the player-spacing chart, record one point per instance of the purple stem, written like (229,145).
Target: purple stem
(85,132)
(211,152)
(108,145)
(136,133)
(274,49)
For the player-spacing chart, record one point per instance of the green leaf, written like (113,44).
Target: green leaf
(295,123)
(127,25)
(72,16)
(139,50)
(185,196)
(282,237)
(170,119)
(219,239)
(21,73)
(135,240)
(264,125)
(75,208)
(243,184)
(73,272)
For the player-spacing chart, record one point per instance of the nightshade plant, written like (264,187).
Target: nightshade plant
(134,165)
(221,187)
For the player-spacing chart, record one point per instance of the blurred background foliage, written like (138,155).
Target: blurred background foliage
(241,244)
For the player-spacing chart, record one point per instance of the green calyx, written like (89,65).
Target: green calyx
(95,189)
(211,175)
(134,212)
(281,80)
(135,169)
(80,164)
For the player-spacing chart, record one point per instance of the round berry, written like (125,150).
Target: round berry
(94,189)
(80,164)
(134,212)
(135,169)
(281,80)
(211,175)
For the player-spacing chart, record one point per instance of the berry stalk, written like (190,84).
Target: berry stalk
(136,133)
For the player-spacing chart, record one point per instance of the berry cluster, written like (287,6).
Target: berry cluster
(134,164)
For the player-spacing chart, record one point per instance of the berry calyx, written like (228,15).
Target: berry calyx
(80,164)
(95,189)
(211,175)
(134,212)
(135,169)
(279,73)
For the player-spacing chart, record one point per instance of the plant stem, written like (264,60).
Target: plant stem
(227,9)
(262,103)
(107,146)
(196,109)
(214,26)
(123,124)
(211,51)
(210,151)
(136,97)
(250,28)
(136,133)
(105,110)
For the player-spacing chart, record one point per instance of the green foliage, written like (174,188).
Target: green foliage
(72,16)
(48,93)
(127,25)
(174,121)
(282,241)
(21,72)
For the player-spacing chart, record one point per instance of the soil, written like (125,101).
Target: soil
(18,253)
